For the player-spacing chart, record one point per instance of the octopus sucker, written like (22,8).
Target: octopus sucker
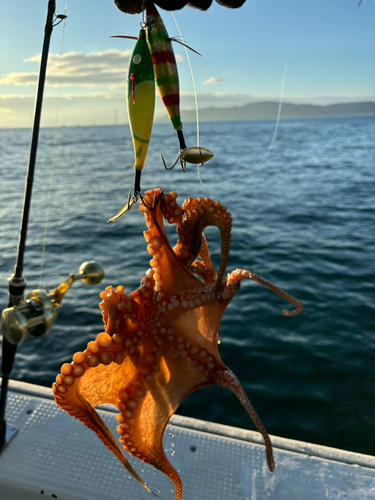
(160,342)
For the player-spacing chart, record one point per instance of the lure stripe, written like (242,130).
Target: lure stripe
(163,57)
(176,122)
(166,80)
(164,64)
(139,139)
(171,100)
(158,36)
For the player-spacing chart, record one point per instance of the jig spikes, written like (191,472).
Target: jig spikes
(167,83)
(124,208)
(140,96)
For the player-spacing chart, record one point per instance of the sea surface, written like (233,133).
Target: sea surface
(303,218)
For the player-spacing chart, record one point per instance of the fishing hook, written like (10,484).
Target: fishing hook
(154,201)
(195,155)
(179,157)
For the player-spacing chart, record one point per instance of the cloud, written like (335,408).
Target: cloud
(213,80)
(96,69)
(74,109)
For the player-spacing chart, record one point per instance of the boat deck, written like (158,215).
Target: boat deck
(54,456)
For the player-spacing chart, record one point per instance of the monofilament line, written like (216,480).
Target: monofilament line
(53,156)
(262,160)
(194,90)
(278,116)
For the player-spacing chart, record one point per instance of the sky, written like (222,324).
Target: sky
(317,51)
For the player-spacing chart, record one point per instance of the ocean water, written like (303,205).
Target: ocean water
(303,218)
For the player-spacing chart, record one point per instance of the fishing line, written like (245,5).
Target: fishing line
(194,90)
(53,156)
(276,125)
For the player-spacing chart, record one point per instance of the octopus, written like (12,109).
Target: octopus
(161,342)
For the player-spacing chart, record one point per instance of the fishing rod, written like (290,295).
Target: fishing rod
(17,282)
(34,316)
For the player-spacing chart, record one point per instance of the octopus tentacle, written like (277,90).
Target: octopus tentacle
(175,275)
(79,399)
(240,274)
(171,209)
(228,380)
(204,255)
(197,214)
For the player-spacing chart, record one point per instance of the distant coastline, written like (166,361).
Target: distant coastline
(268,111)
(265,110)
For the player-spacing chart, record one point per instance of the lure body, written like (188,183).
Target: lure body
(140,95)
(140,99)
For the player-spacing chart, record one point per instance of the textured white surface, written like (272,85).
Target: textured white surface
(55,456)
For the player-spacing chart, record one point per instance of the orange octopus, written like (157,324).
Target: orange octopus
(161,341)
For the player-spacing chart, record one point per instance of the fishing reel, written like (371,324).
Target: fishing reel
(36,315)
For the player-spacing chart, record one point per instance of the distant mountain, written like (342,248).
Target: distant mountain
(269,110)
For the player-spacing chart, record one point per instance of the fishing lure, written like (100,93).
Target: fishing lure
(140,97)
(167,83)
(153,61)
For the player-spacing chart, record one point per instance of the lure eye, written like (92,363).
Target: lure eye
(137,59)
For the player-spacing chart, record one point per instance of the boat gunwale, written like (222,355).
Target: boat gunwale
(225,431)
